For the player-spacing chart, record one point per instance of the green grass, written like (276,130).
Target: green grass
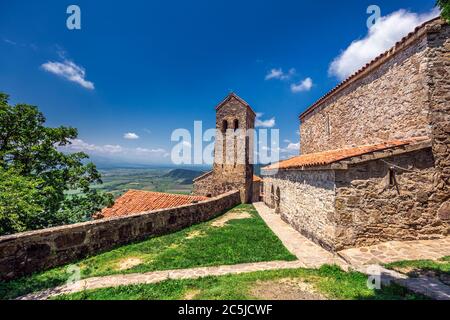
(330,281)
(416,267)
(239,241)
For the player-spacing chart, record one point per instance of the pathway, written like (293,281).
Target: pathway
(425,286)
(365,259)
(158,276)
(397,251)
(309,253)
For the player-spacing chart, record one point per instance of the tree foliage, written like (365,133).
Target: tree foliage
(35,176)
(445,9)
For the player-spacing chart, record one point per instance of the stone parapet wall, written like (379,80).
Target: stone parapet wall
(438,78)
(28,252)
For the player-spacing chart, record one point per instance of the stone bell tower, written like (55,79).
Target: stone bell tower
(233,152)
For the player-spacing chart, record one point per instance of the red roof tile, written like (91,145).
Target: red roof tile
(332,156)
(137,201)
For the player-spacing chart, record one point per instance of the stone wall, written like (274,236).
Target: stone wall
(25,253)
(387,103)
(204,185)
(370,209)
(256,191)
(438,79)
(373,201)
(306,202)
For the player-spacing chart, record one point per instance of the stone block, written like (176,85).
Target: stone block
(38,251)
(444,211)
(68,240)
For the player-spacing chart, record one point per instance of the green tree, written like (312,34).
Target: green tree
(445,9)
(35,175)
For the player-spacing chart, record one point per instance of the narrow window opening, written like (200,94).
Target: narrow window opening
(391,177)
(225,126)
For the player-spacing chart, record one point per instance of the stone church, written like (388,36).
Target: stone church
(374,162)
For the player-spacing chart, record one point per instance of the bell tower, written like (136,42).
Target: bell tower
(233,151)
(233,154)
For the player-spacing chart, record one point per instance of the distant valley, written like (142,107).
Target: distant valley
(119,180)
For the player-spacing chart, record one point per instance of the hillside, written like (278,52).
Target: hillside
(184,176)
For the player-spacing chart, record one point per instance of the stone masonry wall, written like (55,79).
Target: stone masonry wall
(306,202)
(203,185)
(369,210)
(438,80)
(389,103)
(25,253)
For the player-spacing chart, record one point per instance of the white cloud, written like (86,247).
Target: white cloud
(279,74)
(293,146)
(304,85)
(130,136)
(138,155)
(145,150)
(270,123)
(382,36)
(80,145)
(69,71)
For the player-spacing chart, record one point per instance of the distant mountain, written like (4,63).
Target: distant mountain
(186,176)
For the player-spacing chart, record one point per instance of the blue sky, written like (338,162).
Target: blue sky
(145,68)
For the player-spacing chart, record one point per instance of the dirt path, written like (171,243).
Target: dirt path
(158,276)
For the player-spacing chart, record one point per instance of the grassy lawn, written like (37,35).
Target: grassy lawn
(328,282)
(415,268)
(217,242)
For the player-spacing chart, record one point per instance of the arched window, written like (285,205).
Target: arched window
(224,125)
(277,201)
(236,124)
(272,197)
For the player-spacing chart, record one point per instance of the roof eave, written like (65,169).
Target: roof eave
(344,164)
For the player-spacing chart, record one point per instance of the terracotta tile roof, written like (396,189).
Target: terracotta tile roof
(257,179)
(328,157)
(137,201)
(418,31)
